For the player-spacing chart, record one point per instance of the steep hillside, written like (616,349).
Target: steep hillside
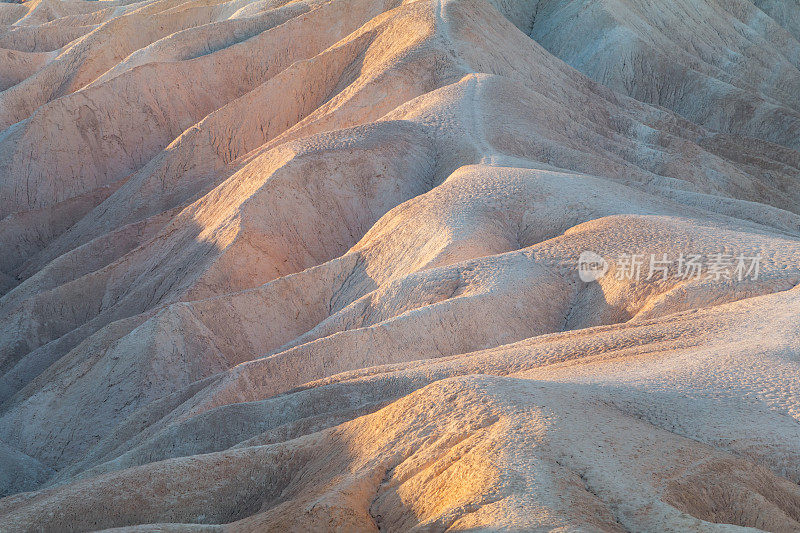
(322,265)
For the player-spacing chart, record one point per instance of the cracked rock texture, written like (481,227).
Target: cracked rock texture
(312,265)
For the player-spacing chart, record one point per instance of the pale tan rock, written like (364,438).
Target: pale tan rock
(312,265)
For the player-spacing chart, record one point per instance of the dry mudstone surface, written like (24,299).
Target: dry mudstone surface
(385,265)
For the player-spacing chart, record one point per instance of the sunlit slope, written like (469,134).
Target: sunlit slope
(314,265)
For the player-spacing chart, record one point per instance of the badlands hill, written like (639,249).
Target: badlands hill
(313,265)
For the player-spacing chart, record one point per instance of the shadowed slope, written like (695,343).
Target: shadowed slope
(312,265)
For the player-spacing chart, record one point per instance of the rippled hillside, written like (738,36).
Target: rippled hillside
(372,265)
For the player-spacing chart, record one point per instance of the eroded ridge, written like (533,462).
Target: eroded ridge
(322,265)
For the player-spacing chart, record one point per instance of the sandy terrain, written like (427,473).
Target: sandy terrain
(316,265)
